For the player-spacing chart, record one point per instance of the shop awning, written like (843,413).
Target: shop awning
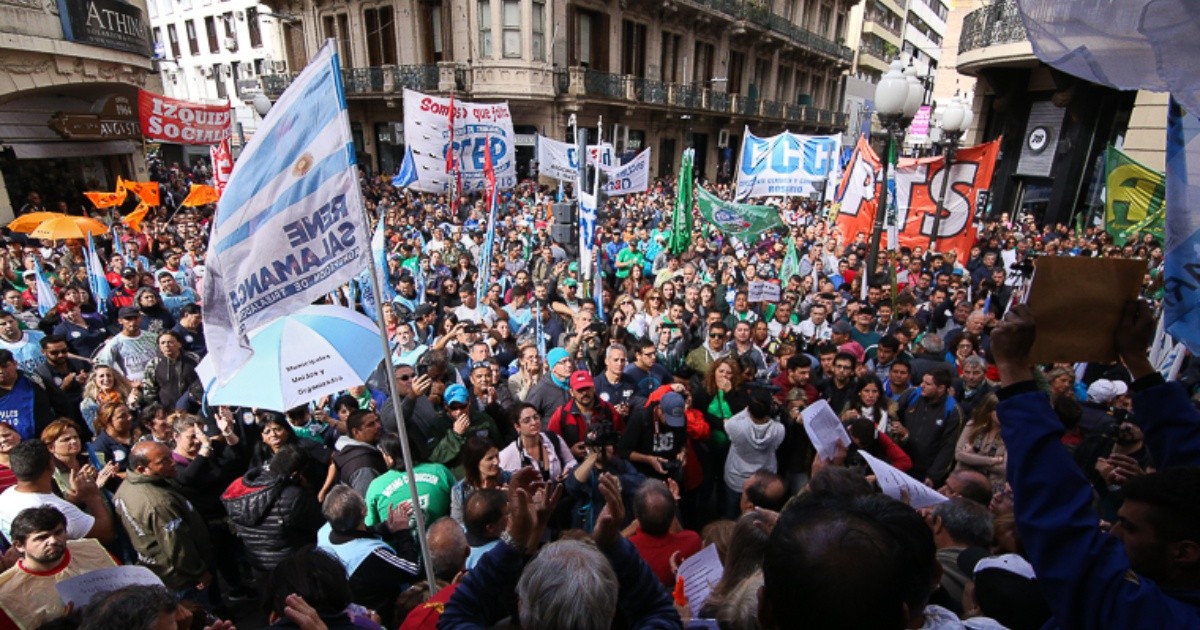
(62,149)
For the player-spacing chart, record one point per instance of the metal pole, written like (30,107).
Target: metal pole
(401,429)
(880,210)
(941,201)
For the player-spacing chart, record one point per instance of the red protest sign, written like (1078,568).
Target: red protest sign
(171,120)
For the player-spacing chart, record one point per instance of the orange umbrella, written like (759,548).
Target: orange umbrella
(27,222)
(67,227)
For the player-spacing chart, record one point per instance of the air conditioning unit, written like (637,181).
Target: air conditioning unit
(206,72)
(279,66)
(226,70)
(722,138)
(240,15)
(231,44)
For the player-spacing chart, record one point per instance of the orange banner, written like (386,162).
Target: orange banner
(102,199)
(201,194)
(918,187)
(148,192)
(135,218)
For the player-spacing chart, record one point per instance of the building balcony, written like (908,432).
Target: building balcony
(759,14)
(994,36)
(587,84)
(360,82)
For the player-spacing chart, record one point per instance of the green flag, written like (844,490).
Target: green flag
(739,219)
(1134,198)
(791,263)
(681,218)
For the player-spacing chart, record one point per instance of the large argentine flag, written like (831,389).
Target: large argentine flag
(290,226)
(1181,304)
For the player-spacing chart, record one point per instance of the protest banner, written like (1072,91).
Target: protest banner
(1135,198)
(630,178)
(738,219)
(478,127)
(166,119)
(785,165)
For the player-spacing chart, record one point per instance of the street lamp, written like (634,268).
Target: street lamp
(898,96)
(262,104)
(955,120)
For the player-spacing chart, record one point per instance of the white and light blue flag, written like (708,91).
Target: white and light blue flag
(46,298)
(408,171)
(290,225)
(96,280)
(1181,275)
(379,256)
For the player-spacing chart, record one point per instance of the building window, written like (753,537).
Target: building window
(670,57)
(219,78)
(230,28)
(381,36)
(189,28)
(633,48)
(252,27)
(824,17)
(737,66)
(435,34)
(485,29)
(173,37)
(512,28)
(589,47)
(210,28)
(539,30)
(337,27)
(704,63)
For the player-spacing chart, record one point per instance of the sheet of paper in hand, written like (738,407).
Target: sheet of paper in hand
(80,589)
(892,481)
(700,572)
(1077,304)
(824,429)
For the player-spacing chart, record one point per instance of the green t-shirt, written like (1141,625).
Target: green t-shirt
(434,482)
(629,254)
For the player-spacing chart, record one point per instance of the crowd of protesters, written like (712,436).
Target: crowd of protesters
(570,451)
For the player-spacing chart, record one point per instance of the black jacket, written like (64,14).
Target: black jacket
(274,517)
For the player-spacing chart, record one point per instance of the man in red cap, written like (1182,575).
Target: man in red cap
(574,419)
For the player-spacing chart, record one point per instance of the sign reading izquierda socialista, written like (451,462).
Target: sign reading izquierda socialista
(106,23)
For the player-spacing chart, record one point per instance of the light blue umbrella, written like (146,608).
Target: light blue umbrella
(314,352)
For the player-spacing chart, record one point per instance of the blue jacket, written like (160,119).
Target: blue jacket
(1169,421)
(1083,572)
(488,592)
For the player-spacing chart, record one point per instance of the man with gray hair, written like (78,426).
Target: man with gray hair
(972,387)
(613,385)
(377,572)
(569,584)
(957,524)
(930,355)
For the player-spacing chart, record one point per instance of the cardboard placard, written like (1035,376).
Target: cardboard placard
(1077,305)
(762,291)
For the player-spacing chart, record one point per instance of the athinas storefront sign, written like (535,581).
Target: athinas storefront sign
(106,23)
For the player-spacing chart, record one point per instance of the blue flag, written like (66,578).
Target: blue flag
(1181,300)
(408,171)
(97,283)
(45,294)
(290,226)
(379,263)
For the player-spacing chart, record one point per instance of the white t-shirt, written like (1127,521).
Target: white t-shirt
(79,523)
(481,314)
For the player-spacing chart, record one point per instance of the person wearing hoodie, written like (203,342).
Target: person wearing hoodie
(273,510)
(357,460)
(551,392)
(754,435)
(155,317)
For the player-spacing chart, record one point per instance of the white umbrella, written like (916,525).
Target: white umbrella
(314,352)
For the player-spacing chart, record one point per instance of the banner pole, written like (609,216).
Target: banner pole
(393,391)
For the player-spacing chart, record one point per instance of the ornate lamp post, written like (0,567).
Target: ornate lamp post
(897,98)
(955,120)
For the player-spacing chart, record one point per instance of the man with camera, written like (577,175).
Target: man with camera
(654,439)
(583,484)
(574,419)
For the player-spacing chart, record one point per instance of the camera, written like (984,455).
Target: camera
(471,328)
(673,468)
(601,434)
(597,328)
(1024,267)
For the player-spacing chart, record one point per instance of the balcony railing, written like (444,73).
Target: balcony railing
(366,81)
(649,91)
(562,81)
(760,13)
(603,84)
(998,23)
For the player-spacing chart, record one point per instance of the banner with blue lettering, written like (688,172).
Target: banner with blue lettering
(476,125)
(786,165)
(633,177)
(560,160)
(290,227)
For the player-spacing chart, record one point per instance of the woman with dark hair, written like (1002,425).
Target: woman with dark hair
(156,425)
(545,451)
(963,345)
(155,317)
(866,437)
(869,402)
(115,436)
(720,397)
(343,406)
(980,447)
(274,509)
(481,466)
(275,432)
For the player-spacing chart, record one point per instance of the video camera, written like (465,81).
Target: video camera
(601,434)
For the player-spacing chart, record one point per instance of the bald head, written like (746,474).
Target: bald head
(152,459)
(969,484)
(448,548)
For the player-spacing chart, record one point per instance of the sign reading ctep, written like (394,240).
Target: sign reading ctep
(166,119)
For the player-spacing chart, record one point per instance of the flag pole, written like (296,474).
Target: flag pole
(401,428)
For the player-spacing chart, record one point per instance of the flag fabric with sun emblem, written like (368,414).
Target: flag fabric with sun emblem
(289,227)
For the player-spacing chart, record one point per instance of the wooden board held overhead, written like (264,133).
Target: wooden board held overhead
(1077,305)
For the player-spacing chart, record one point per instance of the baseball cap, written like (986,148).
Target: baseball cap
(1005,588)
(581,379)
(842,327)
(1104,390)
(455,395)
(574,266)
(555,356)
(672,408)
(569,282)
(128,311)
(129,272)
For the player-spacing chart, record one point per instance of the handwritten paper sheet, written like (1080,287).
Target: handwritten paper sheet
(80,589)
(824,429)
(891,480)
